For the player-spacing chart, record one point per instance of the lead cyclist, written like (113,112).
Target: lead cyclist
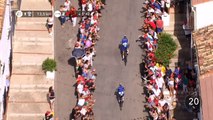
(124,46)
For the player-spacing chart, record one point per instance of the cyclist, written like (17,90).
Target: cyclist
(124,46)
(121,91)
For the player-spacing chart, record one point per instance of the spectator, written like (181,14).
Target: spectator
(50,24)
(89,57)
(49,115)
(168,74)
(162,5)
(89,6)
(176,72)
(73,15)
(171,86)
(156,90)
(98,6)
(7,84)
(154,114)
(67,5)
(168,4)
(185,84)
(159,25)
(83,5)
(165,110)
(51,97)
(63,15)
(160,82)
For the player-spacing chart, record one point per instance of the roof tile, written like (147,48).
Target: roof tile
(203,39)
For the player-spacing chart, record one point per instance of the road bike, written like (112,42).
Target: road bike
(125,57)
(120,97)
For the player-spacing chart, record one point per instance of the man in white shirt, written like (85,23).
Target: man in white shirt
(89,57)
(156,91)
(89,6)
(151,10)
(162,102)
(80,88)
(67,5)
(160,82)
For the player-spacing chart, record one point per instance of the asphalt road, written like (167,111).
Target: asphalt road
(120,17)
(64,80)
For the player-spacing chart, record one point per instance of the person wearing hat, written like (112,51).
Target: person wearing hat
(49,115)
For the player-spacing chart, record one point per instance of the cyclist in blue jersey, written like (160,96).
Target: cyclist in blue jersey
(124,46)
(121,91)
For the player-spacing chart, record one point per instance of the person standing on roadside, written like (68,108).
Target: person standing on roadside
(49,115)
(67,5)
(50,24)
(159,25)
(63,16)
(51,97)
(73,15)
(83,5)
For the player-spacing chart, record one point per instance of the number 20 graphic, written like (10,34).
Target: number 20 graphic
(194,101)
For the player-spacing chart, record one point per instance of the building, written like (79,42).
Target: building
(5,50)
(203,40)
(201,25)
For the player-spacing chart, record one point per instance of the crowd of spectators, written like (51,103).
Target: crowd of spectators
(87,38)
(157,77)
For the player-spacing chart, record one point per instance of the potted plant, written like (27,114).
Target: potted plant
(49,66)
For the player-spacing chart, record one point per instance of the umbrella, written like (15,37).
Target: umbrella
(78,52)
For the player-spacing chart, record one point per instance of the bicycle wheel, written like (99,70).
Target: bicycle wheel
(121,101)
(125,58)
(121,104)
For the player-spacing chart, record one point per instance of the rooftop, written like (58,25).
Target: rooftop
(206,87)
(203,39)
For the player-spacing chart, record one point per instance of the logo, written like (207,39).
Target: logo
(19,13)
(57,13)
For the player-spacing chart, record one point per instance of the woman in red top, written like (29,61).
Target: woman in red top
(159,25)
(152,25)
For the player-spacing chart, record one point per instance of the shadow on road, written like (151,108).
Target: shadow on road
(72,115)
(72,62)
(119,47)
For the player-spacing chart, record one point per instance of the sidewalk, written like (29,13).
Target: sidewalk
(181,58)
(31,46)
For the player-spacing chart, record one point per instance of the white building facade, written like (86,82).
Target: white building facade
(202,14)
(5,53)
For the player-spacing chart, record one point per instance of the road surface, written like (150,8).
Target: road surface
(120,17)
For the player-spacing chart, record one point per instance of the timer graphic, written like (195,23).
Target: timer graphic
(192,102)
(27,13)
(57,13)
